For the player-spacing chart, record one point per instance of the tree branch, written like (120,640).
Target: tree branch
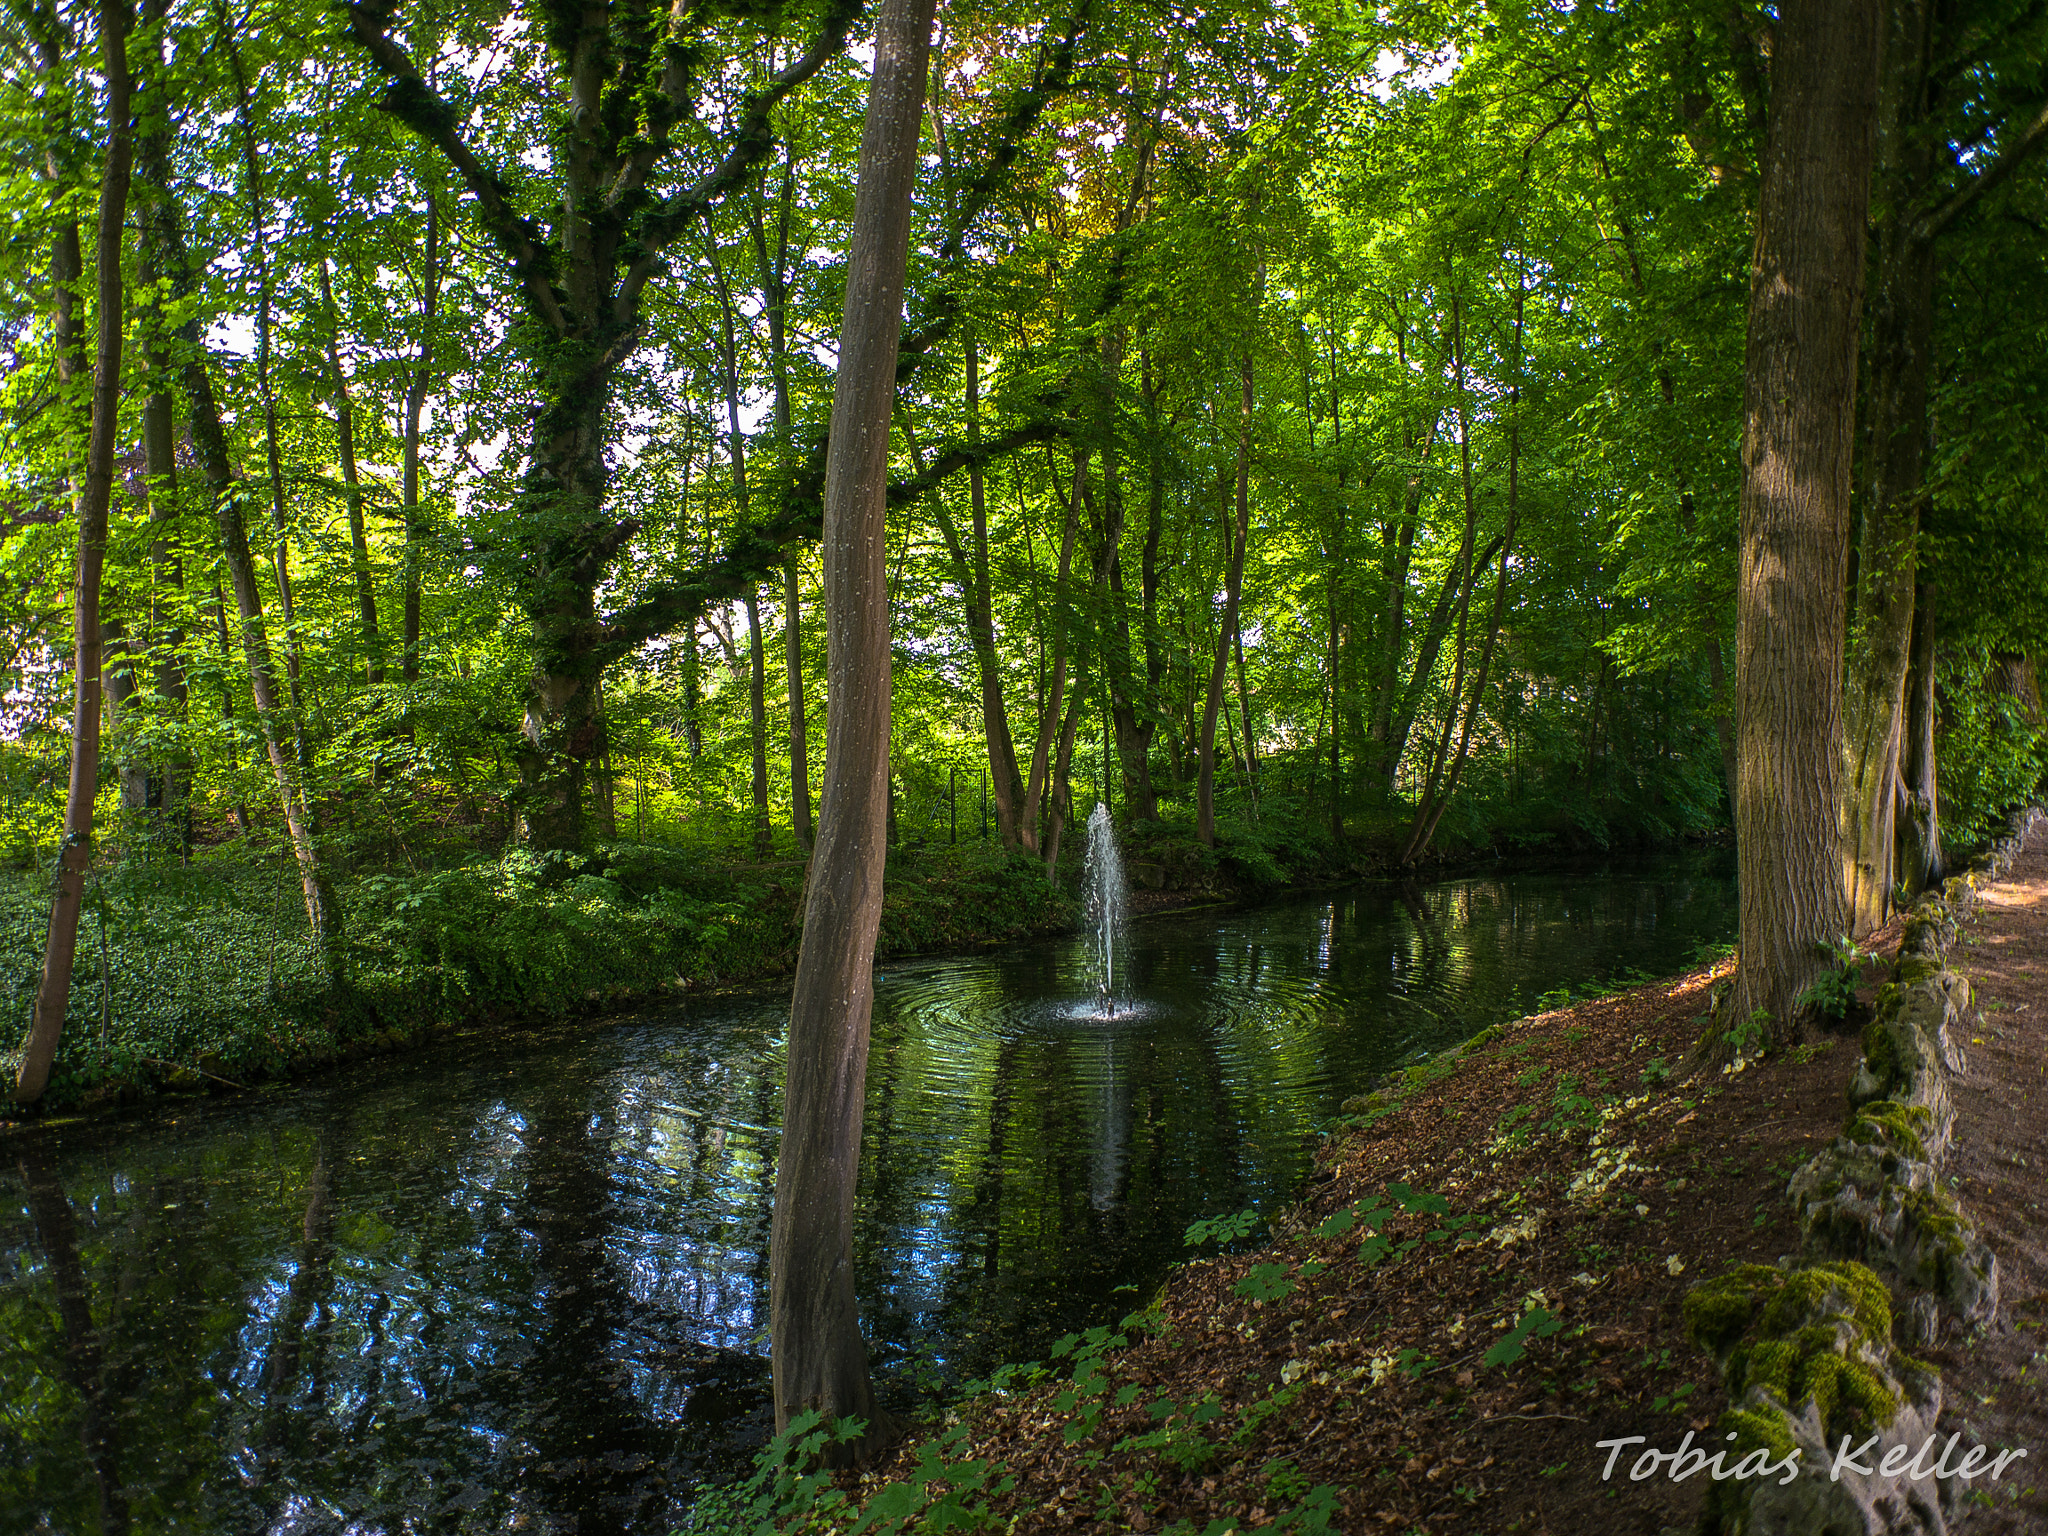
(2008,161)
(755,550)
(409,99)
(751,142)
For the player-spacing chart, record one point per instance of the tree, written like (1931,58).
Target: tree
(1799,418)
(820,1360)
(95,490)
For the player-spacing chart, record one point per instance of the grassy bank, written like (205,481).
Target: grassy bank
(189,976)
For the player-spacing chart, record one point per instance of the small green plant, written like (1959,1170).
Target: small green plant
(1833,992)
(1285,1482)
(1658,1071)
(1536,1323)
(1221,1229)
(1749,1034)
(1266,1282)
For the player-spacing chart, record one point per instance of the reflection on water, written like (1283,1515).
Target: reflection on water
(520,1282)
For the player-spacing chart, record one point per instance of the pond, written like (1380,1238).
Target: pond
(517,1281)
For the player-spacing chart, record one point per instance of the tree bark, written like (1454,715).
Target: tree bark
(95,489)
(820,1359)
(1806,295)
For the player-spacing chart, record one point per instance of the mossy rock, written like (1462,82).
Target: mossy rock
(1899,1128)
(1818,1334)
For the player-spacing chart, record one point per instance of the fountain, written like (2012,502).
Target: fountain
(1108,900)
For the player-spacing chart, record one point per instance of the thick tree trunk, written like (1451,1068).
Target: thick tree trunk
(95,493)
(1806,295)
(1233,582)
(820,1359)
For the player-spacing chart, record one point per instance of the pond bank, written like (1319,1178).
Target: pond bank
(1488,1276)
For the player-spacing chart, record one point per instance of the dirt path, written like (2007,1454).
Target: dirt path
(1997,1388)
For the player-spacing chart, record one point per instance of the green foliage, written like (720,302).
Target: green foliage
(1833,993)
(1222,1229)
(1536,1323)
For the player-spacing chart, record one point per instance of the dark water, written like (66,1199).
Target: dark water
(519,1283)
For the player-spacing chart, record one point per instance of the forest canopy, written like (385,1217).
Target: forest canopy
(1318,428)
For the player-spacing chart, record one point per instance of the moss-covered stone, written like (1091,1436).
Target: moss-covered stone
(1718,1312)
(1900,1128)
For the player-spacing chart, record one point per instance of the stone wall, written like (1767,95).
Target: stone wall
(1818,1348)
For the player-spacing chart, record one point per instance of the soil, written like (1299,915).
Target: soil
(1993,1385)
(1676,1179)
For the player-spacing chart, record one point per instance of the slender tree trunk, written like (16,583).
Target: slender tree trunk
(970,574)
(793,663)
(417,388)
(352,490)
(774,266)
(1036,789)
(820,1359)
(1920,860)
(172,798)
(165,242)
(1435,800)
(1205,783)
(757,692)
(95,490)
(1806,300)
(757,707)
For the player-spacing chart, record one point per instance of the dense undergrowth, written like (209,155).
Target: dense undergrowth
(203,973)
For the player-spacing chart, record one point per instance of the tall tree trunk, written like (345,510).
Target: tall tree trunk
(1435,800)
(1901,341)
(757,707)
(820,1359)
(172,798)
(970,574)
(757,691)
(95,489)
(774,267)
(164,240)
(793,666)
(1233,581)
(352,490)
(1036,790)
(416,389)
(1799,418)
